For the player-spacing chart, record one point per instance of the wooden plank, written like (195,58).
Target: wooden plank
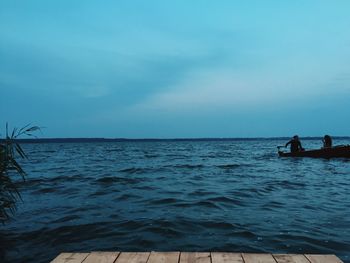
(323,258)
(290,258)
(258,258)
(189,257)
(217,257)
(195,257)
(70,258)
(101,257)
(133,257)
(164,257)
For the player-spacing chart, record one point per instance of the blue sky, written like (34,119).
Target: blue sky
(165,69)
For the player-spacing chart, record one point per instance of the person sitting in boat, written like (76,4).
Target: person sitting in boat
(327,141)
(295,144)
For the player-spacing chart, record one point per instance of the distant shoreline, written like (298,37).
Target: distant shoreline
(91,140)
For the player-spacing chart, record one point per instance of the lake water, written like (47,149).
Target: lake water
(236,196)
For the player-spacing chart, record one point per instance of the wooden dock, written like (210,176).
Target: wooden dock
(191,257)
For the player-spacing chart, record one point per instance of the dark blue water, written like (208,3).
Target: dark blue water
(187,196)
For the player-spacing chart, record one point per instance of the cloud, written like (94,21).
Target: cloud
(206,90)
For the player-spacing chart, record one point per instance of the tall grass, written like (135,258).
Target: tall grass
(10,151)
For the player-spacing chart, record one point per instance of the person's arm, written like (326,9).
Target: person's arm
(288,143)
(300,147)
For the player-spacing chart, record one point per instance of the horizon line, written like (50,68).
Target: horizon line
(104,139)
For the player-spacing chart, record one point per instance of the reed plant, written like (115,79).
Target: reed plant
(10,151)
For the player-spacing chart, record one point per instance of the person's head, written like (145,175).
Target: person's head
(296,137)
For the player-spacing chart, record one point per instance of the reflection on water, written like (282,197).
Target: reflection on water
(188,196)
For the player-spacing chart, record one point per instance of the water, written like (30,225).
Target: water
(186,196)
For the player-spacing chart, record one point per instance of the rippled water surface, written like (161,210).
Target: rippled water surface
(187,196)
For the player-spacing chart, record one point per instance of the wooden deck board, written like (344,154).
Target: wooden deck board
(164,257)
(290,258)
(191,257)
(70,258)
(323,259)
(101,257)
(133,257)
(217,257)
(187,257)
(258,258)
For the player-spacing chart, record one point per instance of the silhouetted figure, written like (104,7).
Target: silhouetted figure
(295,145)
(327,141)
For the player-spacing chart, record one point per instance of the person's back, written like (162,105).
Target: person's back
(327,141)
(295,145)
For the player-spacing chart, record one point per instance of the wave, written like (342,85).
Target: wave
(187,166)
(134,170)
(116,179)
(229,166)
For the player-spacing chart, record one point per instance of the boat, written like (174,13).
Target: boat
(340,151)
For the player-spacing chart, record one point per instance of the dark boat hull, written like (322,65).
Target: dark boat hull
(334,152)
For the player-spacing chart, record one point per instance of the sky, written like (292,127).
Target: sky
(175,69)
